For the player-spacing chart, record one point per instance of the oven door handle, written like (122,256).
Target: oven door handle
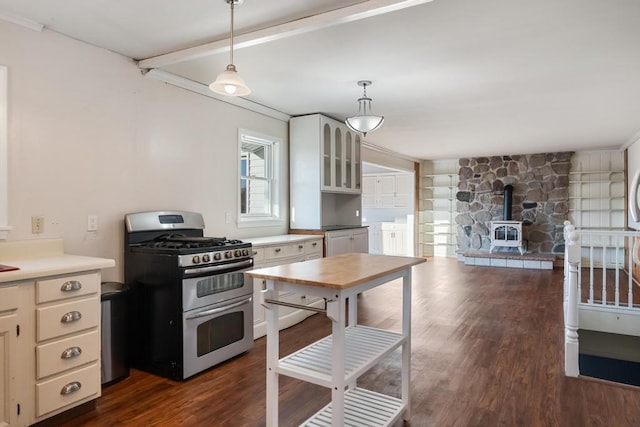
(219,310)
(202,270)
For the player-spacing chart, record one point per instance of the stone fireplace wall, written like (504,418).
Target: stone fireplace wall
(540,199)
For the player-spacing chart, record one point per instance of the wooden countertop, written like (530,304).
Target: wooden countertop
(337,272)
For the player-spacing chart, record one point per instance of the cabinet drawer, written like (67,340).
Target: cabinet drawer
(67,389)
(298,248)
(67,318)
(8,298)
(313,247)
(276,252)
(67,287)
(258,255)
(66,354)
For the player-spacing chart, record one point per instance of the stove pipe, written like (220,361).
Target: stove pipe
(506,210)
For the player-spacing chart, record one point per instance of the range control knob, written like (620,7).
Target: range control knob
(237,252)
(217,256)
(195,259)
(245,252)
(228,254)
(206,258)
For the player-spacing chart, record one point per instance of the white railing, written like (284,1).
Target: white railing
(614,253)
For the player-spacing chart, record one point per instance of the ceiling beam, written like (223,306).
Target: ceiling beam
(356,12)
(19,20)
(204,90)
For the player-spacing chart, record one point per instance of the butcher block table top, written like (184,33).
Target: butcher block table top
(337,272)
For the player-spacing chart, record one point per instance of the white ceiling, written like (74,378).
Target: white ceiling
(452,77)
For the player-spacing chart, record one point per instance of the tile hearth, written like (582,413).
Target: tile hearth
(532,261)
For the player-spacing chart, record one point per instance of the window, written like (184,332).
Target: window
(259,178)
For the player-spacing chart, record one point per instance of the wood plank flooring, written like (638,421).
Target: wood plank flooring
(487,350)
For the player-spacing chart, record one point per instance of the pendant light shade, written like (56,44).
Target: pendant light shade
(229,81)
(364,122)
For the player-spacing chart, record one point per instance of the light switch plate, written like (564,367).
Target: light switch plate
(92,223)
(37,224)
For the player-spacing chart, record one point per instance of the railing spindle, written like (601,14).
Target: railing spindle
(617,265)
(630,275)
(590,275)
(604,274)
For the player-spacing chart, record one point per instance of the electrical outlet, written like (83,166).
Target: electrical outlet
(228,218)
(92,223)
(37,224)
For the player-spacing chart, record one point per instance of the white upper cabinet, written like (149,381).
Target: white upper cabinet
(325,173)
(341,166)
(386,191)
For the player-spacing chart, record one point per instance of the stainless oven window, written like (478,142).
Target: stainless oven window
(212,285)
(219,332)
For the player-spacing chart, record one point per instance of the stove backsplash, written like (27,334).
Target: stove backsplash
(540,199)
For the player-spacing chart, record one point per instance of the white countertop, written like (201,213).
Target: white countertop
(285,238)
(39,258)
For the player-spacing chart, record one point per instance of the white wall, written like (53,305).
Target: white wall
(88,134)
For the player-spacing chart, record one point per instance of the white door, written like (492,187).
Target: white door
(338,244)
(360,241)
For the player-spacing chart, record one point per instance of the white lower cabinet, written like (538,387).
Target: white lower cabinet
(279,250)
(375,238)
(8,339)
(394,238)
(347,241)
(67,368)
(49,346)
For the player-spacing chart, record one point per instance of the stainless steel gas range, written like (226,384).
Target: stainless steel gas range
(191,306)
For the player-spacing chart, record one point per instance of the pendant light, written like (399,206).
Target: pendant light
(364,121)
(229,81)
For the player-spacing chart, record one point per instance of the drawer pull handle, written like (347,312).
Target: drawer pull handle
(255,252)
(71,352)
(300,246)
(71,285)
(278,250)
(314,244)
(71,388)
(71,316)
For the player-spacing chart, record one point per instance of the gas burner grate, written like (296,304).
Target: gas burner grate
(180,241)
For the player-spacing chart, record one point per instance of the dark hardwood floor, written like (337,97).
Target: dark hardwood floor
(487,350)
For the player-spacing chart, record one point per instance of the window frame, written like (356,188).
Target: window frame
(273,172)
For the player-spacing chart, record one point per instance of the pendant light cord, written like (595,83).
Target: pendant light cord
(231,45)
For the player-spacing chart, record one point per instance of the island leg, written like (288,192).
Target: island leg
(336,312)
(271,314)
(406,346)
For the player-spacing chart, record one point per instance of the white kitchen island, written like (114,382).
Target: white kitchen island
(338,360)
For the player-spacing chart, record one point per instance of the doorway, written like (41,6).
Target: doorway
(388,206)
